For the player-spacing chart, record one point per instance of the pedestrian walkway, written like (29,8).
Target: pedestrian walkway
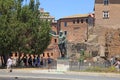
(54,71)
(35,70)
(95,74)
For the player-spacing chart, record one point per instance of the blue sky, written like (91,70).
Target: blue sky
(62,8)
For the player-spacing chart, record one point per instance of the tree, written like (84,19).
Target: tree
(36,32)
(6,31)
(21,29)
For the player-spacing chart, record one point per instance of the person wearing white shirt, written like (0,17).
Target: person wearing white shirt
(9,64)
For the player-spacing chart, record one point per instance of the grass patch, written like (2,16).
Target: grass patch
(111,69)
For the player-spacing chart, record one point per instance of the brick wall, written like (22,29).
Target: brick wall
(76,32)
(108,26)
(114,17)
(53,49)
(113,42)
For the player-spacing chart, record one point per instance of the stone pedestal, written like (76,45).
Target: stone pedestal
(62,65)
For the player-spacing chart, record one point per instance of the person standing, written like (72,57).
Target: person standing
(117,64)
(49,60)
(0,61)
(9,64)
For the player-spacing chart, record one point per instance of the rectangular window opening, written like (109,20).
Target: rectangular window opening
(105,14)
(55,40)
(65,32)
(73,21)
(82,20)
(78,21)
(65,24)
(106,2)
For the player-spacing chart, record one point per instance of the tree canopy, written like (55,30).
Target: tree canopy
(21,29)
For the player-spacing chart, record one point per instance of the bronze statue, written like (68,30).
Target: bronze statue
(62,44)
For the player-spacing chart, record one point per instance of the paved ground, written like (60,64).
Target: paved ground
(54,71)
(12,78)
(43,74)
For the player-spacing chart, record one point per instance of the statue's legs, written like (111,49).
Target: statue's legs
(63,53)
(62,50)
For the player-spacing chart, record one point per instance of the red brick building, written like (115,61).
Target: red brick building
(107,13)
(75,28)
(107,24)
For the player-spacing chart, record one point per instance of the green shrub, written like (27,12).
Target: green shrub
(99,69)
(94,69)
